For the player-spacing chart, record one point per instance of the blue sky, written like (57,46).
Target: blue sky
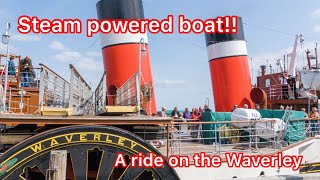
(179,62)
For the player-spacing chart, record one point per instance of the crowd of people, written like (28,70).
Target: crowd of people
(194,114)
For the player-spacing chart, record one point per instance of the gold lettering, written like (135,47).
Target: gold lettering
(133,144)
(97,137)
(37,147)
(83,137)
(54,142)
(108,140)
(121,140)
(69,139)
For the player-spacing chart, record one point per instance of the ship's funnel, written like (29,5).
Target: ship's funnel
(122,52)
(229,67)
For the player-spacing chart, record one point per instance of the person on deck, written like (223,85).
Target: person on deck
(314,123)
(32,77)
(195,114)
(305,113)
(187,114)
(11,67)
(175,113)
(26,71)
(163,112)
(292,83)
(200,110)
(207,109)
(281,107)
(283,78)
(195,127)
(234,108)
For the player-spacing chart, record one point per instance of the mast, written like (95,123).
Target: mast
(316,51)
(284,62)
(288,68)
(279,63)
(308,58)
(293,55)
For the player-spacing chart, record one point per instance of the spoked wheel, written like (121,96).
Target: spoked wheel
(92,151)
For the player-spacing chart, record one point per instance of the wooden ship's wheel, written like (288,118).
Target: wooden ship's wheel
(91,151)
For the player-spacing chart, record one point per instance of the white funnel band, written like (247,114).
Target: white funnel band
(227,49)
(112,39)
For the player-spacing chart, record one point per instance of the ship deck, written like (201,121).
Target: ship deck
(190,148)
(9,120)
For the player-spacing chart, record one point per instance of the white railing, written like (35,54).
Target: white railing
(127,93)
(187,137)
(54,90)
(101,95)
(278,92)
(81,96)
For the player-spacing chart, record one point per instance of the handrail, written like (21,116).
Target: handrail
(227,122)
(76,71)
(52,71)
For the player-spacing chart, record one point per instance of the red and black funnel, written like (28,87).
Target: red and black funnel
(230,75)
(121,51)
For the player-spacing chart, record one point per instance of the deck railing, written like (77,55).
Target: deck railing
(81,96)
(101,95)
(187,137)
(127,93)
(54,90)
(286,92)
(20,102)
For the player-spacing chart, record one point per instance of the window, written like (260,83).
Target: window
(267,82)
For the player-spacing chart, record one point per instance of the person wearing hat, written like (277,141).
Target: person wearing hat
(11,67)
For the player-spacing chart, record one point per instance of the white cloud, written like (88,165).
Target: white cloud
(316,28)
(56,45)
(171,83)
(90,64)
(83,61)
(68,56)
(93,54)
(25,38)
(315,13)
